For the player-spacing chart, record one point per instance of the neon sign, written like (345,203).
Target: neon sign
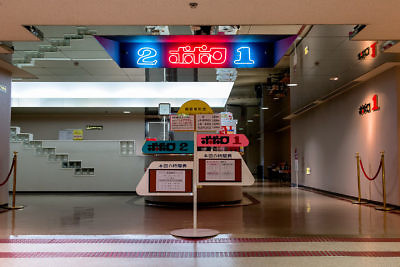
(244,56)
(197,51)
(146,56)
(197,55)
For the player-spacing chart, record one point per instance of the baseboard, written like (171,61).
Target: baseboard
(343,196)
(74,192)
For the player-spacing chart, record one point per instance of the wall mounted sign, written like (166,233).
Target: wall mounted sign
(94,127)
(208,122)
(369,51)
(366,108)
(3,88)
(197,51)
(222,140)
(181,122)
(306,50)
(77,134)
(168,147)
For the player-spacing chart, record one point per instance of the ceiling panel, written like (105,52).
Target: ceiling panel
(54,63)
(57,31)
(68,71)
(89,43)
(37,71)
(270,29)
(86,54)
(134,72)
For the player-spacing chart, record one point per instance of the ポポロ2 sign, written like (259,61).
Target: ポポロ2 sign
(222,140)
(197,51)
(168,147)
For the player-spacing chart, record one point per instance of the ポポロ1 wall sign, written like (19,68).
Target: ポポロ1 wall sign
(369,107)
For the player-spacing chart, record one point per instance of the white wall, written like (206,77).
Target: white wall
(328,137)
(112,171)
(5,102)
(115,127)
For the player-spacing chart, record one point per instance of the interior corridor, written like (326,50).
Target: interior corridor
(281,225)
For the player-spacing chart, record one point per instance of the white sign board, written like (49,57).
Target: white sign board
(208,122)
(223,170)
(181,122)
(170,180)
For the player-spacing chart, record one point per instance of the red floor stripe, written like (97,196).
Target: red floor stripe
(237,254)
(179,241)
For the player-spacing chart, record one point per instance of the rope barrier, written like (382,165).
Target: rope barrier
(366,176)
(9,174)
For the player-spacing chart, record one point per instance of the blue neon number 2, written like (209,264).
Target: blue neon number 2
(244,56)
(146,54)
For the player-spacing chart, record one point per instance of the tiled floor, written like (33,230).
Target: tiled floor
(289,227)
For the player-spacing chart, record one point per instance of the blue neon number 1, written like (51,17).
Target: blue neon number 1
(145,55)
(244,56)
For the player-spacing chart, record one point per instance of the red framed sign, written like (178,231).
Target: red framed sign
(170,181)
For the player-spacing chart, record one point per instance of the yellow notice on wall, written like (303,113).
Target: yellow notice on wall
(77,134)
(195,107)
(3,88)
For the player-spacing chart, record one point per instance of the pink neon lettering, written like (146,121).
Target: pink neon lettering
(197,55)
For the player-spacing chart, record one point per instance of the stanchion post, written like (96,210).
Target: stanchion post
(384,208)
(195,176)
(14,207)
(358,181)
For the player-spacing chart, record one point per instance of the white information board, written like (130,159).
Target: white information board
(208,122)
(222,170)
(181,123)
(170,180)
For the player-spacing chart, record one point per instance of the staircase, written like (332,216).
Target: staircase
(49,152)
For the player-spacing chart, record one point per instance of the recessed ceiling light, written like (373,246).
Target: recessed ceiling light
(126,112)
(265,108)
(292,84)
(249,120)
(334,78)
(276,98)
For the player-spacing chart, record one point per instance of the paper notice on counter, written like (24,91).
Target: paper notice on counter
(170,181)
(220,170)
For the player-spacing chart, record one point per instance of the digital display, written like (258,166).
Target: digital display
(195,51)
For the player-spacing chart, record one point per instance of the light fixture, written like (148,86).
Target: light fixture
(292,84)
(265,108)
(249,120)
(334,78)
(117,94)
(126,112)
(276,98)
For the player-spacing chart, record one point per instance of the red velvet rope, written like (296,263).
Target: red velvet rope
(376,175)
(9,174)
